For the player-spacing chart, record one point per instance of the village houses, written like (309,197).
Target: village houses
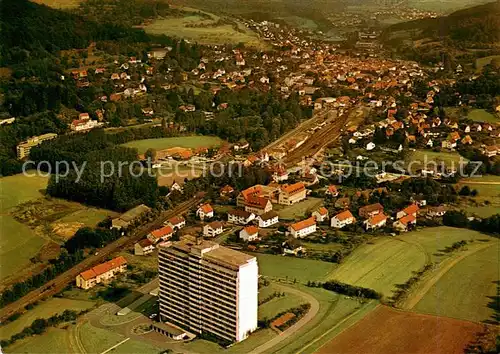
(205,211)
(268,219)
(161,234)
(303,228)
(240,217)
(249,233)
(213,229)
(101,273)
(342,219)
(143,247)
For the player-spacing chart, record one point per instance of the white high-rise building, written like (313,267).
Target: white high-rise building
(207,288)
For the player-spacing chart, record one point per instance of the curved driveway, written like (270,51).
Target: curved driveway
(313,311)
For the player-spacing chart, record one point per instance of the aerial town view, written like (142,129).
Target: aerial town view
(250,176)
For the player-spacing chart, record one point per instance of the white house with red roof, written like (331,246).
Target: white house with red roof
(176,222)
(376,222)
(332,191)
(321,214)
(268,219)
(405,223)
(161,234)
(213,229)
(258,205)
(342,219)
(205,211)
(101,273)
(249,233)
(143,247)
(303,228)
(409,210)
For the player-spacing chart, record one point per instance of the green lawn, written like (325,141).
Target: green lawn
(419,158)
(284,267)
(467,289)
(18,189)
(480,62)
(279,304)
(55,340)
(481,115)
(300,210)
(44,309)
(205,32)
(87,216)
(388,261)
(165,143)
(18,243)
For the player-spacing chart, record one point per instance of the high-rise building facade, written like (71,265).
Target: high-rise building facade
(207,288)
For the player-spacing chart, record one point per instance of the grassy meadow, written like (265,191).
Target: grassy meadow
(420,158)
(188,142)
(481,115)
(468,290)
(299,210)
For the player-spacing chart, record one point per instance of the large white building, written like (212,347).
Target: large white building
(207,288)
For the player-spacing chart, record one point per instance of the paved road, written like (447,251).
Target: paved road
(313,311)
(61,281)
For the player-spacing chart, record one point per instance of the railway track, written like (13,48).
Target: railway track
(317,141)
(62,280)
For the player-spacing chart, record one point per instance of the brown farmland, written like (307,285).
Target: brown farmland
(386,331)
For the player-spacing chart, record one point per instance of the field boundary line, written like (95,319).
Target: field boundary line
(115,346)
(412,301)
(335,327)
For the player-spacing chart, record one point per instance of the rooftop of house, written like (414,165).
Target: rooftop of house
(374,220)
(251,230)
(269,215)
(240,213)
(103,268)
(255,201)
(371,208)
(293,188)
(176,220)
(411,209)
(303,224)
(344,215)
(206,208)
(405,220)
(165,230)
(215,225)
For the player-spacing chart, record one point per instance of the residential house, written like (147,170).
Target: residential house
(205,211)
(405,223)
(292,193)
(320,214)
(490,151)
(467,140)
(342,219)
(249,192)
(370,146)
(258,205)
(101,273)
(176,222)
(371,210)
(241,217)
(303,228)
(268,219)
(249,233)
(332,191)
(161,234)
(292,246)
(375,222)
(213,229)
(143,247)
(409,210)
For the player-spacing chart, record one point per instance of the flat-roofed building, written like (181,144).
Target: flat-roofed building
(24,148)
(208,288)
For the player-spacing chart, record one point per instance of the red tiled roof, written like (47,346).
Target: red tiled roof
(344,215)
(206,208)
(405,220)
(103,268)
(303,224)
(257,202)
(176,220)
(251,230)
(165,230)
(371,207)
(216,224)
(411,209)
(145,243)
(332,189)
(293,188)
(323,211)
(374,220)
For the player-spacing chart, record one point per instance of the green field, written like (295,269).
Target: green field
(303,270)
(38,220)
(488,197)
(299,210)
(18,189)
(481,115)
(205,30)
(191,142)
(55,340)
(389,261)
(419,158)
(481,62)
(277,305)
(468,289)
(44,309)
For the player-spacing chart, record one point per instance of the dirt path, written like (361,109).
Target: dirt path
(313,311)
(416,296)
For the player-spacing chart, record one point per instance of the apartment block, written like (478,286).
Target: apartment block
(207,288)
(24,148)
